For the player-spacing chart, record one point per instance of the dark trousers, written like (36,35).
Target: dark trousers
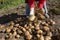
(26,1)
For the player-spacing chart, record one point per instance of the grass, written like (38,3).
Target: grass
(4,4)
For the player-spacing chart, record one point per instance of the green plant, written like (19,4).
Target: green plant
(4,4)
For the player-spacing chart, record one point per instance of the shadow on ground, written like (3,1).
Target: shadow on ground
(12,17)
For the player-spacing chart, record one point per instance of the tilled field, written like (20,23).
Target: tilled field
(23,29)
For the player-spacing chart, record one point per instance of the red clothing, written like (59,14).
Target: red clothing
(40,4)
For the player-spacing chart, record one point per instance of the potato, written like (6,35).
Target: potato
(39,21)
(36,24)
(41,37)
(47,38)
(39,32)
(48,22)
(10,35)
(14,33)
(11,26)
(49,34)
(14,29)
(8,30)
(41,16)
(19,31)
(3,30)
(37,28)
(16,25)
(7,37)
(12,23)
(51,22)
(27,27)
(30,24)
(27,33)
(38,36)
(32,27)
(30,30)
(44,24)
(29,37)
(2,26)
(23,29)
(46,28)
(17,36)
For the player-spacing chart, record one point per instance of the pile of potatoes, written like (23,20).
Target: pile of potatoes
(35,30)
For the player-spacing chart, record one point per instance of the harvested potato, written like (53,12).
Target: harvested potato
(6,37)
(23,29)
(27,27)
(8,30)
(41,16)
(14,29)
(44,24)
(49,34)
(41,37)
(38,36)
(19,31)
(28,35)
(17,36)
(14,33)
(30,30)
(3,30)
(47,38)
(11,26)
(2,26)
(12,23)
(39,32)
(52,22)
(46,28)
(10,35)
(37,28)
(16,25)
(31,26)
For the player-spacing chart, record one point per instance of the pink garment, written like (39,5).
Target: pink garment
(40,4)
